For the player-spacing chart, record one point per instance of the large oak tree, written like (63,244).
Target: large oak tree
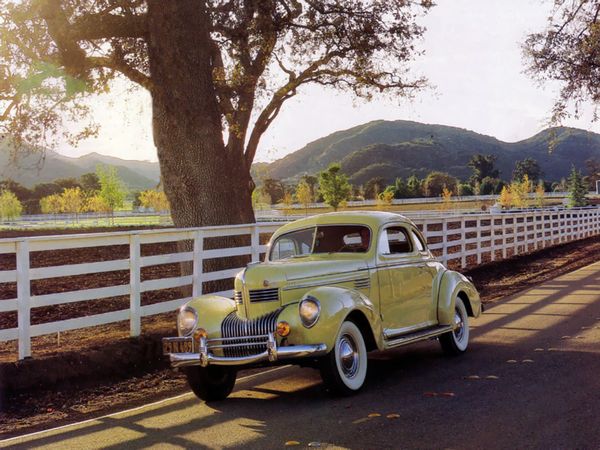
(568,51)
(218,72)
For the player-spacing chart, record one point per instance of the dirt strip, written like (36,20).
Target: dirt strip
(116,372)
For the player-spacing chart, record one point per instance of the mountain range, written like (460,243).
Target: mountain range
(380,148)
(30,169)
(400,148)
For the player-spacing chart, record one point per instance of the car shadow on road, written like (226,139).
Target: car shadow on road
(532,368)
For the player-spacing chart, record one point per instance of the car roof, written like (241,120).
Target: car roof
(373,219)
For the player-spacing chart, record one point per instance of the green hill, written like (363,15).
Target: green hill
(30,169)
(401,148)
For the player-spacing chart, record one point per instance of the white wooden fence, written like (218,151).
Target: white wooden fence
(460,241)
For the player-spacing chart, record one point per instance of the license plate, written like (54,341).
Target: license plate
(178,345)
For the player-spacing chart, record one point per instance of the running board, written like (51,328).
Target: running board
(417,336)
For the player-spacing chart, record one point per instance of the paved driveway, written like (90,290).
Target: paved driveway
(531,379)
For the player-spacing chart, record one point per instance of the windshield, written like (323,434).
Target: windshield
(322,239)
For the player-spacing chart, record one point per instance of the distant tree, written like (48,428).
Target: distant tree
(414,187)
(90,183)
(519,192)
(540,194)
(97,204)
(400,188)
(529,167)
(334,186)
(260,200)
(374,187)
(505,198)
(385,198)
(483,166)
(560,186)
(42,190)
(20,191)
(465,189)
(577,189)
(274,188)
(593,172)
(154,199)
(51,204)
(446,198)
(312,182)
(73,201)
(10,206)
(490,186)
(67,183)
(287,201)
(111,188)
(436,181)
(304,195)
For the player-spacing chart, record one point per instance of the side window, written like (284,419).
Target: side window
(418,241)
(284,248)
(397,241)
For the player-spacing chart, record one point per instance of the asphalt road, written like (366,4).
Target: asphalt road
(531,379)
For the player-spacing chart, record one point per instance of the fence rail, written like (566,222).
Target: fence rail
(459,241)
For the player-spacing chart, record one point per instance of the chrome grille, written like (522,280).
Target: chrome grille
(362,283)
(253,333)
(237,296)
(264,295)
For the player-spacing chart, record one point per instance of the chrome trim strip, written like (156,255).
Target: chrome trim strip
(324,282)
(390,333)
(418,336)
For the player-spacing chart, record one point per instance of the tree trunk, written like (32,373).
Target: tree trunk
(205,184)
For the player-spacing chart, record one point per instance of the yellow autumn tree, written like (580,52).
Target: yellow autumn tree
(157,200)
(304,195)
(505,198)
(540,193)
(446,198)
(72,201)
(51,204)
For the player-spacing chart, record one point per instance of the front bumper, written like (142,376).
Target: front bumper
(272,353)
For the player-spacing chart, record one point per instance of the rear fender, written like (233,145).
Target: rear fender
(453,284)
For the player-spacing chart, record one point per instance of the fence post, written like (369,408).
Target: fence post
(255,243)
(198,269)
(463,246)
(23,299)
(445,241)
(503,237)
(135,321)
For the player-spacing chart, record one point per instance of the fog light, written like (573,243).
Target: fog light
(283,329)
(200,333)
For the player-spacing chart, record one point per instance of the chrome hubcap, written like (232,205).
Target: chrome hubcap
(348,356)
(459,326)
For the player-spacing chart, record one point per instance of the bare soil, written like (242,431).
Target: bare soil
(103,370)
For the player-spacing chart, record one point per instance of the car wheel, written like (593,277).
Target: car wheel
(211,383)
(455,342)
(344,368)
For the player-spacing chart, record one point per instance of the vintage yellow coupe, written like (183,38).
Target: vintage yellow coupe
(332,288)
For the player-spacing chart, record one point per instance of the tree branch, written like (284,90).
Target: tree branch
(106,26)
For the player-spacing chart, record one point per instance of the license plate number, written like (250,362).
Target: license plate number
(178,345)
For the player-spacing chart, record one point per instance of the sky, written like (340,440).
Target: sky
(472,60)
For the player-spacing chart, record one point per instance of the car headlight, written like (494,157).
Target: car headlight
(310,310)
(187,320)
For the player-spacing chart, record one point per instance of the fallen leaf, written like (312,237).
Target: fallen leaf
(374,415)
(361,420)
(511,361)
(585,328)
(49,410)
(528,360)
(314,444)
(566,337)
(552,349)
(430,394)
(448,394)
(579,337)
(292,443)
(473,377)
(393,416)
(538,350)
(491,377)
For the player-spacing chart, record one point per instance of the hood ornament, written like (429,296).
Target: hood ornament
(266,283)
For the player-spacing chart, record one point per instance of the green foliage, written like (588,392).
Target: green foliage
(374,187)
(275,189)
(414,187)
(490,186)
(90,183)
(10,206)
(483,166)
(435,183)
(577,189)
(465,189)
(334,186)
(304,194)
(111,188)
(529,167)
(400,188)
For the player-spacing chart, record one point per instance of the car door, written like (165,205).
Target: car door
(404,282)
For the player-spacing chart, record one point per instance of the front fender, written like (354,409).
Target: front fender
(336,305)
(212,309)
(452,284)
